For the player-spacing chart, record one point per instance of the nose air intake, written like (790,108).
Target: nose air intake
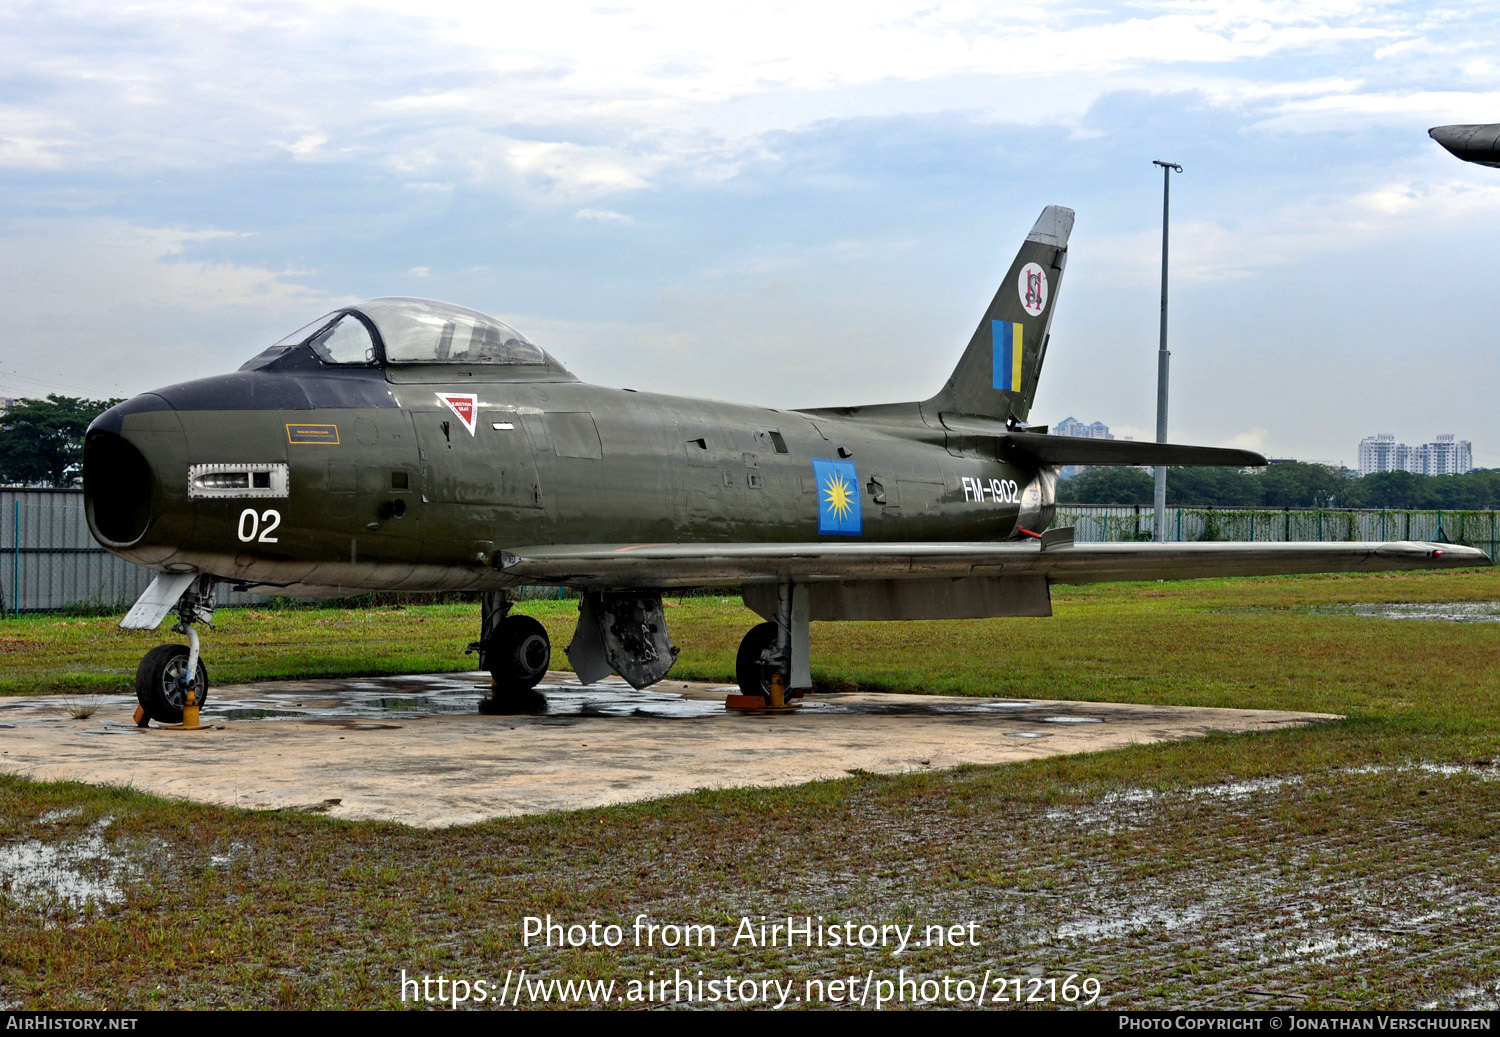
(116,489)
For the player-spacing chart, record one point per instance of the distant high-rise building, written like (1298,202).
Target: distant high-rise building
(1443,456)
(1071,426)
(1378,453)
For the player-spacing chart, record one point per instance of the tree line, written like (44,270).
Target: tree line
(1291,484)
(41,441)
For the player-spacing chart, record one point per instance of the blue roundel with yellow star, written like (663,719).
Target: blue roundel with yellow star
(838,497)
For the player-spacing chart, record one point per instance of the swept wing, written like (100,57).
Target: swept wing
(685,565)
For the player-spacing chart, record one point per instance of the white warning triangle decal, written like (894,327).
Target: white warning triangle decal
(465,405)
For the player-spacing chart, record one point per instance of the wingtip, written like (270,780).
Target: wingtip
(1444,554)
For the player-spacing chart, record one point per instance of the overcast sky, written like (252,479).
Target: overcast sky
(807,204)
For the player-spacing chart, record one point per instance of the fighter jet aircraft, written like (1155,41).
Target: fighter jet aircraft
(404,444)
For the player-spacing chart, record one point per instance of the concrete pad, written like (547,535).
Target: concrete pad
(415,750)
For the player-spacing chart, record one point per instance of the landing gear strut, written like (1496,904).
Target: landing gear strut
(515,649)
(172,677)
(775,653)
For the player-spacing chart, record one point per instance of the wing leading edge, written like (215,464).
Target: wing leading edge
(698,565)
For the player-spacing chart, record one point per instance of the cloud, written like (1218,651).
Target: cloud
(29,138)
(1340,110)
(1257,439)
(1205,251)
(573,169)
(113,309)
(604,216)
(307,145)
(574,100)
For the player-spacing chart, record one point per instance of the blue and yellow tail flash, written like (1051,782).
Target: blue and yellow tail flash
(838,497)
(1007,340)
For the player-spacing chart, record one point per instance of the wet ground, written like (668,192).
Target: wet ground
(1431,611)
(415,749)
(1444,611)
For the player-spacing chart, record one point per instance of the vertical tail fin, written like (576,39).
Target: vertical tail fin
(997,375)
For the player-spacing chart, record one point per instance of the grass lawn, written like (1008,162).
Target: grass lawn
(1348,864)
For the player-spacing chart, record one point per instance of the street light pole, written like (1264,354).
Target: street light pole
(1163,358)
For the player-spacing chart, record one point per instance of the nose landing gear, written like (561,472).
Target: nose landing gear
(171,681)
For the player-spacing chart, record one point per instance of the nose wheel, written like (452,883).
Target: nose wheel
(161,683)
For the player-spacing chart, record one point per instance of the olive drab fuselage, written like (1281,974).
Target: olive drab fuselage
(425,484)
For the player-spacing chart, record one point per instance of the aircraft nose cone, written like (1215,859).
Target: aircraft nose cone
(1472,142)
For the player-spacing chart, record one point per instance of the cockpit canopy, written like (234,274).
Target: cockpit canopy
(405,331)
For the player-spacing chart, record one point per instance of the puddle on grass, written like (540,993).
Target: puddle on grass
(1468,999)
(1127,807)
(1243,789)
(1153,917)
(59,814)
(1325,949)
(1445,611)
(73,873)
(1482,770)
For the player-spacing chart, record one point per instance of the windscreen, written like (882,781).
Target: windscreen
(421,331)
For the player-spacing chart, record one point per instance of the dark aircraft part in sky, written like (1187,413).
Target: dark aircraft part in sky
(412,445)
(1473,142)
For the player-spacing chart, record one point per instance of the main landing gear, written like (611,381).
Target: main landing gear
(755,664)
(625,632)
(171,678)
(771,666)
(515,649)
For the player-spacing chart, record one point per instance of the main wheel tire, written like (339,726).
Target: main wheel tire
(519,654)
(750,672)
(158,683)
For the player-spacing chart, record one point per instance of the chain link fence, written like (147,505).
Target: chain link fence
(50,562)
(1099,523)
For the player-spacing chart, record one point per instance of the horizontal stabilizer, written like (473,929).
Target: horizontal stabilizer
(1066,450)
